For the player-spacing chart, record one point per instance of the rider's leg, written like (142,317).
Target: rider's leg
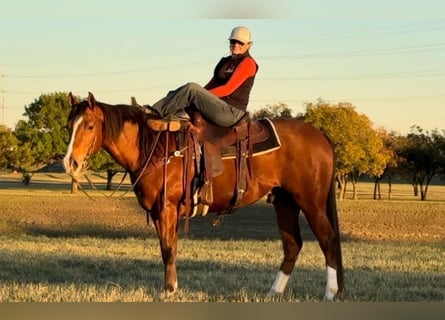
(210,106)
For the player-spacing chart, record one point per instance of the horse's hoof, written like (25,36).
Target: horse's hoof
(167,294)
(329,296)
(273,296)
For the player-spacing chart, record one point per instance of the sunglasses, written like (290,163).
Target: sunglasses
(233,42)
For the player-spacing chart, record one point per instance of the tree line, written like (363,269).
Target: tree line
(361,150)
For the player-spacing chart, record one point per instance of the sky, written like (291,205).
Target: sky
(387,58)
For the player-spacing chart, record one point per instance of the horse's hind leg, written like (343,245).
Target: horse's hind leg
(323,231)
(287,218)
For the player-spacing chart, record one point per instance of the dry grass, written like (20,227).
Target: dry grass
(61,247)
(393,220)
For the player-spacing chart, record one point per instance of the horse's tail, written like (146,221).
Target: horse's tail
(332,214)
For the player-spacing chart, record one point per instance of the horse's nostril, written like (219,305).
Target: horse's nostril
(70,165)
(74,164)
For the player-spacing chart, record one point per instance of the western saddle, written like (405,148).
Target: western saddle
(206,145)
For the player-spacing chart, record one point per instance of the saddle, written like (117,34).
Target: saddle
(208,144)
(212,140)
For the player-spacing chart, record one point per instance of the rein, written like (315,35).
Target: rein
(145,170)
(80,187)
(120,184)
(133,185)
(163,161)
(84,165)
(154,144)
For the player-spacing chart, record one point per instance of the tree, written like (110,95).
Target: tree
(439,145)
(8,148)
(391,159)
(441,148)
(280,110)
(42,138)
(44,131)
(357,145)
(396,164)
(424,156)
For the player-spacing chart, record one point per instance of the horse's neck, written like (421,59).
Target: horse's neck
(125,149)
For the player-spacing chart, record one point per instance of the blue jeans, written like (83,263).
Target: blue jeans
(211,107)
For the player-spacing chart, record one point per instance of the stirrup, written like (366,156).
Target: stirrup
(164,125)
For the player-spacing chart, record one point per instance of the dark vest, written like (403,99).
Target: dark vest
(222,73)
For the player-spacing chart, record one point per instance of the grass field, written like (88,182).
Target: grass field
(57,246)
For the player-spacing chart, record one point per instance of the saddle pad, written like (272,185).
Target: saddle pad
(259,148)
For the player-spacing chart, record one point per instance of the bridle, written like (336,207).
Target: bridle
(84,166)
(165,160)
(147,169)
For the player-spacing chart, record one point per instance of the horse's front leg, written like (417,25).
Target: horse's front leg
(167,229)
(287,218)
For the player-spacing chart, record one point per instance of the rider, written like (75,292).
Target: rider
(223,100)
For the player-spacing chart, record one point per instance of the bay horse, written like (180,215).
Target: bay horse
(297,176)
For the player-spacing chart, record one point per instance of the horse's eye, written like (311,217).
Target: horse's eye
(90,126)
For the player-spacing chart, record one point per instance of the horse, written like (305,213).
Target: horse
(298,176)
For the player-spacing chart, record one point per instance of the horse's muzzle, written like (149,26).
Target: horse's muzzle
(72,167)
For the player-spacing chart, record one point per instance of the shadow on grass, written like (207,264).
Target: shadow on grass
(256,222)
(55,185)
(216,279)
(76,269)
(92,231)
(36,185)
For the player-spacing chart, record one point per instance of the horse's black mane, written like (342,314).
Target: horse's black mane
(115,117)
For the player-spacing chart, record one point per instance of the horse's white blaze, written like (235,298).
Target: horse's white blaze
(67,158)
(280,283)
(332,284)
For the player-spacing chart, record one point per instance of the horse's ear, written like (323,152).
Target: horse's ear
(91,100)
(133,102)
(72,99)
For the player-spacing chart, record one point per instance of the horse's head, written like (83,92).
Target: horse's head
(85,123)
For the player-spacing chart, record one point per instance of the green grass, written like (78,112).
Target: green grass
(55,246)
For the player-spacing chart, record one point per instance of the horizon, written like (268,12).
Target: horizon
(390,69)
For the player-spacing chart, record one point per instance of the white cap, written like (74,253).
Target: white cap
(241,34)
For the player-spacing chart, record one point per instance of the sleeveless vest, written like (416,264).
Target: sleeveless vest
(224,71)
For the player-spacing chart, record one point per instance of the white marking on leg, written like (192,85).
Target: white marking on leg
(66,159)
(280,283)
(195,204)
(331,284)
(205,210)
